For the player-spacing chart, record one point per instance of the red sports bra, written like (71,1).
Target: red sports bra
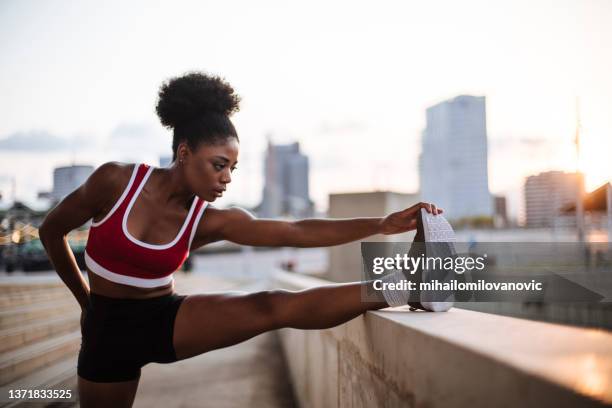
(114,254)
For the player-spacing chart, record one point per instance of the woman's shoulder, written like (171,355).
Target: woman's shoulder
(114,171)
(228,214)
(111,176)
(215,220)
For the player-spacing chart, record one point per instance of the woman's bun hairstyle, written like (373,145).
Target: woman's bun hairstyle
(197,106)
(195,94)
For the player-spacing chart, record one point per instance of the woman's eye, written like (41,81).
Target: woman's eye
(218,166)
(234,168)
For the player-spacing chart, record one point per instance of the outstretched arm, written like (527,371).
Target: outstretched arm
(239,226)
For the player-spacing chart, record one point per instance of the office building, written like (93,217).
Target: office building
(285,191)
(67,179)
(545,196)
(345,261)
(453,169)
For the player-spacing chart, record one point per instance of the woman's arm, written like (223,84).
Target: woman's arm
(73,211)
(239,226)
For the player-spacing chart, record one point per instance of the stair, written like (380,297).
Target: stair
(19,315)
(59,376)
(12,297)
(27,333)
(40,337)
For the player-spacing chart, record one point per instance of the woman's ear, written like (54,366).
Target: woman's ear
(182,152)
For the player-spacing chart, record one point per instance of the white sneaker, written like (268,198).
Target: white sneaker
(434,228)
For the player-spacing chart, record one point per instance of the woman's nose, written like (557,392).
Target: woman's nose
(226,177)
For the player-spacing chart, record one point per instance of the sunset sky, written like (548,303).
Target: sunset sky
(349,80)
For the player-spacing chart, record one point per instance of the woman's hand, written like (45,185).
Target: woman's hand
(405,220)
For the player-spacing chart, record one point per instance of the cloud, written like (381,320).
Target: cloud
(518,142)
(41,141)
(534,141)
(131,131)
(140,137)
(326,128)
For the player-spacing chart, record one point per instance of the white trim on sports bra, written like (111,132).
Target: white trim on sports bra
(129,208)
(124,279)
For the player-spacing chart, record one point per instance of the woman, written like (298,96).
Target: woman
(145,221)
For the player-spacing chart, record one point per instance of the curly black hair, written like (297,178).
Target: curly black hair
(197,106)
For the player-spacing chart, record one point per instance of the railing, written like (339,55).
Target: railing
(462,358)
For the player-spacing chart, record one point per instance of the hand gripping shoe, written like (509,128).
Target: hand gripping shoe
(435,238)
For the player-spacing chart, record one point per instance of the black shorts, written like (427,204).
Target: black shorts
(119,336)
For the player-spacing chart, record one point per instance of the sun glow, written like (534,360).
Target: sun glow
(595,147)
(595,161)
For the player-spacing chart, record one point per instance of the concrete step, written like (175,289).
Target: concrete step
(18,363)
(59,376)
(26,282)
(32,295)
(20,315)
(25,285)
(14,337)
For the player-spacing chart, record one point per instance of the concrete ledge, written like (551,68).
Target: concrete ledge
(461,358)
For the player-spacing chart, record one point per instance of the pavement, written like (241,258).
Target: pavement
(252,373)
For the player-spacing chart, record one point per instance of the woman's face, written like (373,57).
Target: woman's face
(209,168)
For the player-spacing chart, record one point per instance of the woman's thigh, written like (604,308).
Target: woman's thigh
(207,322)
(98,394)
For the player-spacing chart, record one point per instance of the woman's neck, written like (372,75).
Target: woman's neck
(172,187)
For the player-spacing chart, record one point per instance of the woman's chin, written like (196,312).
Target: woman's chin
(212,196)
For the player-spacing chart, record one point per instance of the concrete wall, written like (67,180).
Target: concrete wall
(345,260)
(396,358)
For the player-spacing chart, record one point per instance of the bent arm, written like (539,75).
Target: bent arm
(239,226)
(73,211)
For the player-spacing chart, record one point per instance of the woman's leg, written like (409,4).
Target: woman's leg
(103,395)
(206,322)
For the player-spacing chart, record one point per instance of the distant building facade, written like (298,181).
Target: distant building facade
(285,191)
(67,179)
(546,194)
(453,166)
(345,262)
(165,161)
(500,219)
(597,209)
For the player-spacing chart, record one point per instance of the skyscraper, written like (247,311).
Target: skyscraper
(285,191)
(453,171)
(67,179)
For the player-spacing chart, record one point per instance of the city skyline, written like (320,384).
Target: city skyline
(359,84)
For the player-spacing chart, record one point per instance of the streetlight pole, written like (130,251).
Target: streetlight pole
(609,210)
(580,175)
